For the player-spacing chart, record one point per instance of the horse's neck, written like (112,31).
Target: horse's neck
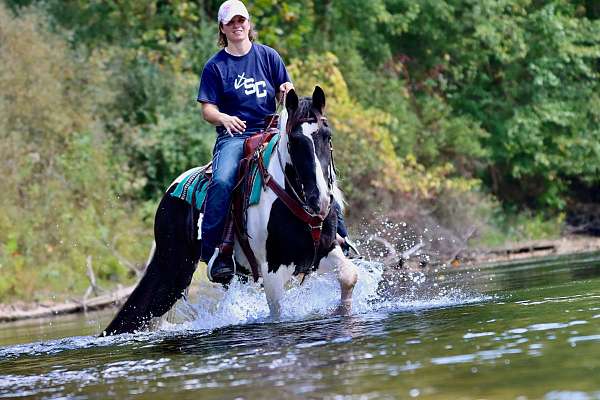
(279,160)
(277,169)
(283,118)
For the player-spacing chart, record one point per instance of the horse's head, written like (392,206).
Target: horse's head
(309,147)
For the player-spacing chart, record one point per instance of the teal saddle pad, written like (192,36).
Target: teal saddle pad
(194,183)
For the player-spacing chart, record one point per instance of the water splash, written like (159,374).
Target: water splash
(319,296)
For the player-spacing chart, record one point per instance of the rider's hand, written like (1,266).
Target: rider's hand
(232,124)
(286,87)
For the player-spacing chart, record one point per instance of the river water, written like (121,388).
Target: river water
(524,330)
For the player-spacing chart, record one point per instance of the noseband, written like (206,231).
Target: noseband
(320,120)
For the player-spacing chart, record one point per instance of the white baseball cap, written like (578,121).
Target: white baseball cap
(230,9)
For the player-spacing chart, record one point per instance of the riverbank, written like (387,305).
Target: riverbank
(572,244)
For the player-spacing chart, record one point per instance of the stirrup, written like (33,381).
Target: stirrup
(210,265)
(349,247)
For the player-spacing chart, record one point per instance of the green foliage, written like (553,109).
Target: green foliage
(370,170)
(159,132)
(175,33)
(514,227)
(59,202)
(435,104)
(289,22)
(527,72)
(174,144)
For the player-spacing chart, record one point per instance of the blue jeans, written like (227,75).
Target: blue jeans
(227,155)
(341,224)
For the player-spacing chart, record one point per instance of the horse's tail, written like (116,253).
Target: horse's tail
(169,272)
(150,255)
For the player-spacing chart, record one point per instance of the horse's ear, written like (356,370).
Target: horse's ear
(318,99)
(291,101)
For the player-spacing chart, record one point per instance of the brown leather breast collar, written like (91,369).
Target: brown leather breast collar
(297,206)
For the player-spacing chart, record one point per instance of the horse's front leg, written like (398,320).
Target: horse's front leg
(346,273)
(274,283)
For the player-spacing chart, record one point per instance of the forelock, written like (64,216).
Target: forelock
(303,111)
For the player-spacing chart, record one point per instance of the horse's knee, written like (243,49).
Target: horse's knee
(348,275)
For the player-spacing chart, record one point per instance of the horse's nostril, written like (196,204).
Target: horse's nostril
(318,203)
(314,203)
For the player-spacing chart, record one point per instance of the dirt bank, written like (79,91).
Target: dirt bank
(572,244)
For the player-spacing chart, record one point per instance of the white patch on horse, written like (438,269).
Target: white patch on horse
(307,130)
(336,262)
(274,284)
(282,124)
(259,214)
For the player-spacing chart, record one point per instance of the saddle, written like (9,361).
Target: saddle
(257,148)
(253,177)
(192,187)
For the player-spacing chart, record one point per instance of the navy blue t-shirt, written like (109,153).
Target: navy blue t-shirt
(244,86)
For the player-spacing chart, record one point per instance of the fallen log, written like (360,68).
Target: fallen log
(111,299)
(115,298)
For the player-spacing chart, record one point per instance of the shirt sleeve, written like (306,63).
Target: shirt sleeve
(210,85)
(280,73)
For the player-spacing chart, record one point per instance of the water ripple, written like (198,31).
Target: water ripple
(576,339)
(484,355)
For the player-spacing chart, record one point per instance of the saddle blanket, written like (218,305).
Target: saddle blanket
(192,185)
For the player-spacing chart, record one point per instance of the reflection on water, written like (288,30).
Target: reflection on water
(513,331)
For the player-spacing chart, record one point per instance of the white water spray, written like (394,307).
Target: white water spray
(319,296)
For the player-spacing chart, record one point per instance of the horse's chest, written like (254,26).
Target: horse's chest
(288,240)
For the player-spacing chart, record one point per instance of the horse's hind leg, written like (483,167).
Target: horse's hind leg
(169,272)
(346,275)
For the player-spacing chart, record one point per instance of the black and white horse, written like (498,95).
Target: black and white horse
(281,242)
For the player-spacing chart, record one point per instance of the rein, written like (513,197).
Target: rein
(296,204)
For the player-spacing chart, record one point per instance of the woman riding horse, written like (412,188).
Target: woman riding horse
(237,92)
(291,230)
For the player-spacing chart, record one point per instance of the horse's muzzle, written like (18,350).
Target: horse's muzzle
(318,204)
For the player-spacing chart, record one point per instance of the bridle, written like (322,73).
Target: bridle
(297,204)
(320,120)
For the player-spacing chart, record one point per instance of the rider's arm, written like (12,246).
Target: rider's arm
(211,114)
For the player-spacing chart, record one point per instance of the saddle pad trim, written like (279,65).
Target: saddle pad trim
(194,181)
(257,178)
